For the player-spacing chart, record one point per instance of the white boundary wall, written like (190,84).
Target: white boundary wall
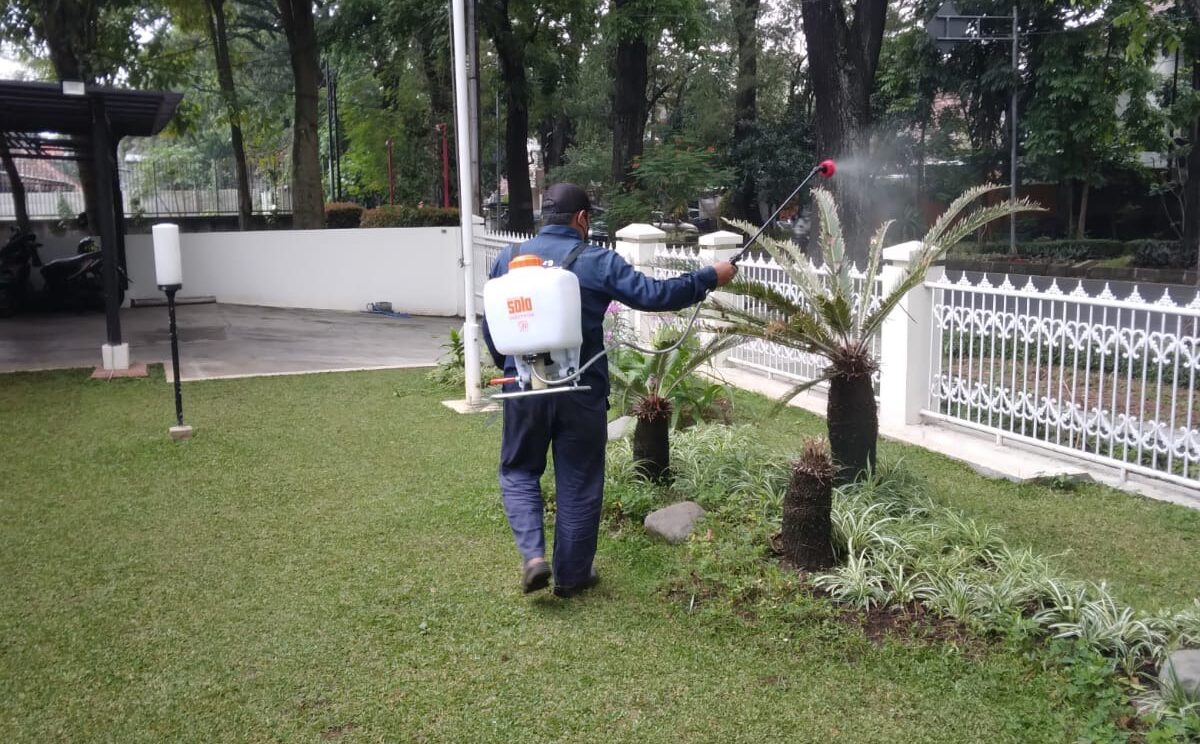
(417,269)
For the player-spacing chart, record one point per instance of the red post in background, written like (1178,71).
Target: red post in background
(391,178)
(445,166)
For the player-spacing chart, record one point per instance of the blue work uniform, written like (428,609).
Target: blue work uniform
(574,424)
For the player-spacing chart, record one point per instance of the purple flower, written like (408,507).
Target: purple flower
(614,308)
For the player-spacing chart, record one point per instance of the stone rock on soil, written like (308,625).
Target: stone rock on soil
(675,522)
(621,427)
(1184,666)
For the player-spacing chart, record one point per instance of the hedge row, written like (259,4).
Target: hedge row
(348,214)
(1155,254)
(343,214)
(410,217)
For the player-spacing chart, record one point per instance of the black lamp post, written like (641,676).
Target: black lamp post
(168,271)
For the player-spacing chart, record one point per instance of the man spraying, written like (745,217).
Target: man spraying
(574,425)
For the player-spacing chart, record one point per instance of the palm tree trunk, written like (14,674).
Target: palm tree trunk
(807,530)
(853,421)
(652,448)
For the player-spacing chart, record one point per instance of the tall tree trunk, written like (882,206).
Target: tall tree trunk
(630,75)
(66,28)
(557,134)
(745,101)
(220,42)
(807,528)
(436,71)
(1191,187)
(842,59)
(17,186)
(308,208)
(511,54)
(853,422)
(1081,227)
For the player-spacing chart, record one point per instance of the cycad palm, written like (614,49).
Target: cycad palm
(826,321)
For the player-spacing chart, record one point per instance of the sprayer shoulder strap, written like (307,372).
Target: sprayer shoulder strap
(567,261)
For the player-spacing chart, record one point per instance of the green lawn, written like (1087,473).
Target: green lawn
(327,560)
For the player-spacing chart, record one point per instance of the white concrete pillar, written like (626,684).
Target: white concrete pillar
(638,244)
(905,342)
(721,245)
(114,356)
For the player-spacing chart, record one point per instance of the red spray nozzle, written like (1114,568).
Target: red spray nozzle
(827,168)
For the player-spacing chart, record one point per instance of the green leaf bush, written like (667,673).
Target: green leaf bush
(1162,254)
(341,215)
(397,216)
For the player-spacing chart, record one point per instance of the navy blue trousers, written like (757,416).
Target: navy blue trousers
(574,426)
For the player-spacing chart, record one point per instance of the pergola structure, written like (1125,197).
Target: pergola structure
(73,121)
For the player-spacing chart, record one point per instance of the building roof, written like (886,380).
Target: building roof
(42,107)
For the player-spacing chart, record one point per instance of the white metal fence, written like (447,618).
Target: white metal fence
(1088,374)
(173,190)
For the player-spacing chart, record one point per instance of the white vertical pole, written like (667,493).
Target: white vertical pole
(1012,187)
(462,143)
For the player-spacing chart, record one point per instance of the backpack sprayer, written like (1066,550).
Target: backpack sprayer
(533,313)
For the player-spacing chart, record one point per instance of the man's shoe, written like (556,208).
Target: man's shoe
(536,576)
(570,591)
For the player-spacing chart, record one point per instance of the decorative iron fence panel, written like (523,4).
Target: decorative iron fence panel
(1098,376)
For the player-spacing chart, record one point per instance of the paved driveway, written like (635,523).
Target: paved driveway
(219,340)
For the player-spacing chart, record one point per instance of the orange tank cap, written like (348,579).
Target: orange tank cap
(524,262)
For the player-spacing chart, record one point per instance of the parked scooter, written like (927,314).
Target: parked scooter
(16,257)
(77,282)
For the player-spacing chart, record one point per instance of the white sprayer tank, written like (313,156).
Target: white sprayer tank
(533,309)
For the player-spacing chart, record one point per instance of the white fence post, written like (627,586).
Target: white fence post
(905,341)
(721,245)
(638,243)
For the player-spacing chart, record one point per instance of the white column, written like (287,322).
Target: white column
(638,244)
(721,245)
(905,342)
(462,142)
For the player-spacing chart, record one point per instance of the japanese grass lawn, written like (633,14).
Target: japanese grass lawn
(328,560)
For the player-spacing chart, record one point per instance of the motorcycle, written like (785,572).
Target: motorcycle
(71,283)
(77,282)
(15,258)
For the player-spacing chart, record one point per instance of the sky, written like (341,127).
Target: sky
(9,67)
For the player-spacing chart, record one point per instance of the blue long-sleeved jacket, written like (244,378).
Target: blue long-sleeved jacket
(603,277)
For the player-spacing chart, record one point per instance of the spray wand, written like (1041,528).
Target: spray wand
(826,168)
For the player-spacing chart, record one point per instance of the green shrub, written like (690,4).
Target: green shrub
(1064,250)
(451,371)
(1162,254)
(342,214)
(395,216)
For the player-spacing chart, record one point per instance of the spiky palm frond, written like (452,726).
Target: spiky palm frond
(825,319)
(687,365)
(832,241)
(789,256)
(784,322)
(931,251)
(874,260)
